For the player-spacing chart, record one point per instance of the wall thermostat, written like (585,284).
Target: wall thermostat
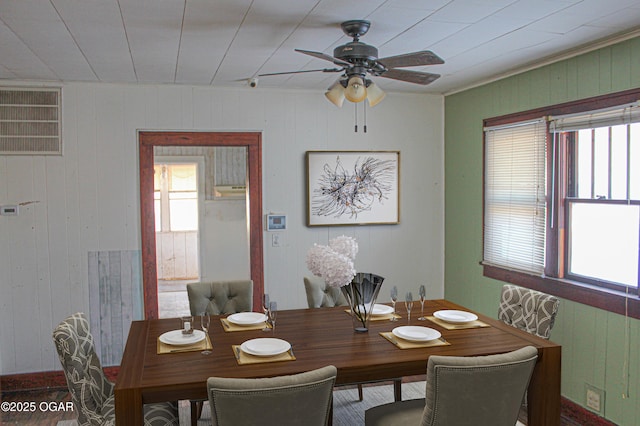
(276,222)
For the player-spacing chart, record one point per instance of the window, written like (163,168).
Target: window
(175,197)
(562,200)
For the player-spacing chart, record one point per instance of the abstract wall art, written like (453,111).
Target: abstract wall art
(353,187)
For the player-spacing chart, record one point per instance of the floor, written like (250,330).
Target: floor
(172,299)
(48,410)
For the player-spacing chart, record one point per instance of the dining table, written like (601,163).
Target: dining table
(319,337)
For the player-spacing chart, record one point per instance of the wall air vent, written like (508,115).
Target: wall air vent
(230,191)
(30,121)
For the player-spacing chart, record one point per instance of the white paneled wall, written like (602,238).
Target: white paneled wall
(87,200)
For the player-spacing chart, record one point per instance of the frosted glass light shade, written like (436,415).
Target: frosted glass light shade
(335,94)
(356,90)
(375,94)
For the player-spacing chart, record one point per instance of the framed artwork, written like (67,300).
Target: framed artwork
(353,188)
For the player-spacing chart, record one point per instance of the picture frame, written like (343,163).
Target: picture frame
(352,188)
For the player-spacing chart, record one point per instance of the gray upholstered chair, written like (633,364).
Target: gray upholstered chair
(320,295)
(528,310)
(465,391)
(299,399)
(91,392)
(220,297)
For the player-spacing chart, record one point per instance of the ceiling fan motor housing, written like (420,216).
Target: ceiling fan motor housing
(355,52)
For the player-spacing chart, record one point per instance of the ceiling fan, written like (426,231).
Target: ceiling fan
(356,61)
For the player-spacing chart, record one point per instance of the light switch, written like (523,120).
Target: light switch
(275,240)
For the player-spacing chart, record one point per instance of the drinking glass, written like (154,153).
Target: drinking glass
(273,311)
(394,299)
(265,310)
(422,293)
(409,304)
(205,320)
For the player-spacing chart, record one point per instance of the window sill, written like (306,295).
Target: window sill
(602,298)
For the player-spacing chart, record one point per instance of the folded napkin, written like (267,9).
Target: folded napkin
(244,358)
(228,326)
(406,344)
(452,326)
(202,345)
(386,317)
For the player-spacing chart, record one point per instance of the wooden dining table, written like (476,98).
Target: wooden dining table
(321,337)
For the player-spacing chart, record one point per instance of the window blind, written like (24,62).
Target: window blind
(623,114)
(515,196)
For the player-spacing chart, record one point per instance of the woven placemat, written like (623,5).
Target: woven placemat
(244,358)
(202,345)
(228,326)
(452,326)
(406,344)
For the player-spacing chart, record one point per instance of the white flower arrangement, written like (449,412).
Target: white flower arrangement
(335,262)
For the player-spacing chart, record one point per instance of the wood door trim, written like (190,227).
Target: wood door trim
(147,140)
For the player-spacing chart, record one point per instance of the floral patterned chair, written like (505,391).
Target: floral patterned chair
(528,310)
(91,392)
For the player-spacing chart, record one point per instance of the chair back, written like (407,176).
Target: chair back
(300,399)
(91,392)
(321,295)
(528,310)
(220,297)
(477,391)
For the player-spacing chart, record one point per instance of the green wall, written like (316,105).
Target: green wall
(593,341)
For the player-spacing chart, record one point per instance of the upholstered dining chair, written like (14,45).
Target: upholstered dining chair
(220,297)
(91,392)
(528,310)
(321,295)
(464,391)
(299,399)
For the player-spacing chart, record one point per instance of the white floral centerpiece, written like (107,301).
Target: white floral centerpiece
(335,263)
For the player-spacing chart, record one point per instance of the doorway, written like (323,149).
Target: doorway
(252,141)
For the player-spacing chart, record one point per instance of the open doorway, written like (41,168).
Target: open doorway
(177,206)
(151,140)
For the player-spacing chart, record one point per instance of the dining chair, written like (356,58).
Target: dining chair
(91,392)
(220,297)
(299,399)
(464,391)
(528,310)
(321,295)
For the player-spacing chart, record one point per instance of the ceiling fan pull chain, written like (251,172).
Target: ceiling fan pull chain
(355,105)
(364,108)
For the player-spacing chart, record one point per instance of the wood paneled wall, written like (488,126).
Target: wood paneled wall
(595,343)
(87,199)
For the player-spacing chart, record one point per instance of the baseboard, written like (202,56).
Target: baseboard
(56,379)
(44,380)
(580,415)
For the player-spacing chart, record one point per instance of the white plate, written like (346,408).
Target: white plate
(247,318)
(382,309)
(176,337)
(416,333)
(456,317)
(377,309)
(265,346)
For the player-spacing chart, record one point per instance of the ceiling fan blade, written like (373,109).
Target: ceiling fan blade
(416,77)
(324,56)
(303,71)
(424,57)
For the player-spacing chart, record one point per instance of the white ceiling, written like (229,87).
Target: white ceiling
(224,42)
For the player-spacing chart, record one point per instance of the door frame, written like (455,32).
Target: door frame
(146,141)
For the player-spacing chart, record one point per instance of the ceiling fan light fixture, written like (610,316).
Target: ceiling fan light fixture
(375,94)
(356,91)
(335,94)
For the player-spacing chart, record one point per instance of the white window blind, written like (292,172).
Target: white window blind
(515,196)
(606,117)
